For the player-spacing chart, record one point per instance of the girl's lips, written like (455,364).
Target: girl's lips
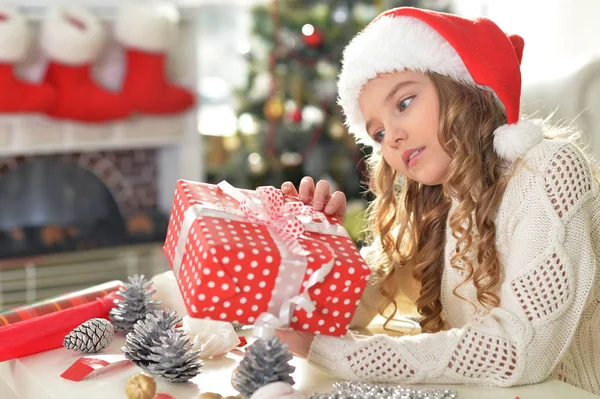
(406,155)
(413,161)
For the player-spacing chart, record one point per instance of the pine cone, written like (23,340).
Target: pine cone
(136,302)
(159,348)
(146,333)
(172,358)
(91,336)
(266,361)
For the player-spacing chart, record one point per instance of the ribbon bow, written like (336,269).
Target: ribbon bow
(270,208)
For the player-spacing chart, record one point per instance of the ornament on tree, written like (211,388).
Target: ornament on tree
(311,36)
(162,350)
(261,86)
(340,14)
(266,361)
(256,164)
(336,129)
(326,69)
(312,116)
(296,115)
(91,336)
(136,302)
(274,109)
(140,386)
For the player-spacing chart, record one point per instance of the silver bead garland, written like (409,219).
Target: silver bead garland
(362,390)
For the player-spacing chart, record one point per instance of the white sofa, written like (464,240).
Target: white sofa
(573,94)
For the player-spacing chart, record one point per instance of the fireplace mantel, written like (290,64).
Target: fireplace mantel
(174,138)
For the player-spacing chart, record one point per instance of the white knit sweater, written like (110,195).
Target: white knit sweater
(548,322)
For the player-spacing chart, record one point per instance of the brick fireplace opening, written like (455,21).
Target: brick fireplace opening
(74,201)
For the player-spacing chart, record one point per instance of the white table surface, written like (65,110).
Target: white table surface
(38,377)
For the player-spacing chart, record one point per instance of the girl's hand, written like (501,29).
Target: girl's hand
(299,342)
(322,199)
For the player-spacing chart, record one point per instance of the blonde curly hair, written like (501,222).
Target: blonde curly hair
(409,219)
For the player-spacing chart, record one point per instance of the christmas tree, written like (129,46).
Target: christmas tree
(289,123)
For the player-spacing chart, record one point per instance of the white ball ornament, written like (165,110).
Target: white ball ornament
(277,390)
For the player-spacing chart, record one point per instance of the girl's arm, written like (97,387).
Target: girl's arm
(372,300)
(549,274)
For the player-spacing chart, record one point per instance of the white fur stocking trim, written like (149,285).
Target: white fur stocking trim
(71,35)
(15,35)
(147,25)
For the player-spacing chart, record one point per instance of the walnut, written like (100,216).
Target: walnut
(210,395)
(140,386)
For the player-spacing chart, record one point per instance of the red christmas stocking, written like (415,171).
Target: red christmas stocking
(17,95)
(72,38)
(147,29)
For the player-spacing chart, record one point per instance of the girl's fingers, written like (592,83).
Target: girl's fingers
(307,188)
(289,189)
(337,204)
(322,195)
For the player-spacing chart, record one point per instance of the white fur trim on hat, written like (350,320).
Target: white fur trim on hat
(15,35)
(514,141)
(71,35)
(148,25)
(392,44)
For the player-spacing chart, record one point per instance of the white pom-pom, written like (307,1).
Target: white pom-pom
(277,390)
(514,141)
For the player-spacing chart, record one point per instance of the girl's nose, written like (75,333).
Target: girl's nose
(395,135)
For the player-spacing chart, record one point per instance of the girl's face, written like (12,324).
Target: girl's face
(401,110)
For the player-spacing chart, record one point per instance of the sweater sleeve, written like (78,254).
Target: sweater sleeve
(549,273)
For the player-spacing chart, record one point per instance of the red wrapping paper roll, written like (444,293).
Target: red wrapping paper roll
(47,332)
(56,304)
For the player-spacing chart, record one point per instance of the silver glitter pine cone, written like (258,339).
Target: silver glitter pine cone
(266,361)
(135,303)
(161,349)
(173,359)
(91,336)
(146,333)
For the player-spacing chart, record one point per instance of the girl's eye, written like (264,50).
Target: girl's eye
(403,104)
(378,136)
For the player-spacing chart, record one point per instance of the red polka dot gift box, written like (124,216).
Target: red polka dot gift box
(262,258)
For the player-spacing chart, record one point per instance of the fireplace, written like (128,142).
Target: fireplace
(82,204)
(74,201)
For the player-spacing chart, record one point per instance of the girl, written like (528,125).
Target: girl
(489,228)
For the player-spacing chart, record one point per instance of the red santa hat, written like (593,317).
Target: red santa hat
(476,52)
